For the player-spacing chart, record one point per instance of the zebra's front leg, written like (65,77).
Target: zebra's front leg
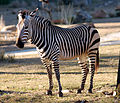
(48,66)
(85,71)
(55,65)
(49,70)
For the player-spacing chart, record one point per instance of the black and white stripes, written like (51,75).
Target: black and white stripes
(54,43)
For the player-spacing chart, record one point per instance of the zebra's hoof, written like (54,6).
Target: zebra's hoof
(90,91)
(60,94)
(78,91)
(0,92)
(49,92)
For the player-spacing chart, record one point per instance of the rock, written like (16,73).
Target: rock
(100,14)
(117,10)
(82,16)
(117,7)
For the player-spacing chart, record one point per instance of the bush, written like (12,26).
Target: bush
(66,13)
(8,58)
(2,55)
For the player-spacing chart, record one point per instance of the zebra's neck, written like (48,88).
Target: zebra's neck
(41,36)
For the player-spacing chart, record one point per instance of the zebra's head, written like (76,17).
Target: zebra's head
(24,27)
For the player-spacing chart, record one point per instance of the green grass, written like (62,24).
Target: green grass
(25,80)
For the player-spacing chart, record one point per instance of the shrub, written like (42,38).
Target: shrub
(66,13)
(2,55)
(8,58)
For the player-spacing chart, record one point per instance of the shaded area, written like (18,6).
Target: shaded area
(19,73)
(106,60)
(8,43)
(108,57)
(23,61)
(67,69)
(107,20)
(45,73)
(2,92)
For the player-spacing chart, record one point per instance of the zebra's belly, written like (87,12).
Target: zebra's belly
(65,56)
(62,57)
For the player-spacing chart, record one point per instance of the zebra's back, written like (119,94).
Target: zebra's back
(73,42)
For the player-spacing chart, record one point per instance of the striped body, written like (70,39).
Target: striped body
(69,42)
(54,43)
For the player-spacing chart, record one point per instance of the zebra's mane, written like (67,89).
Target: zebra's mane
(44,20)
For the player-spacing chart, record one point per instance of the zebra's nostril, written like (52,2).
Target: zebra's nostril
(26,27)
(19,44)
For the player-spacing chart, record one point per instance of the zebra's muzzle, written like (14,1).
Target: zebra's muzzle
(19,43)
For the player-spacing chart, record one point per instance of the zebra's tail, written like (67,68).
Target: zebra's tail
(97,61)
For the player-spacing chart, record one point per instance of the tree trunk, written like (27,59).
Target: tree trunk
(118,75)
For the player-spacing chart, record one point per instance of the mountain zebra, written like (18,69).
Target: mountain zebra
(54,43)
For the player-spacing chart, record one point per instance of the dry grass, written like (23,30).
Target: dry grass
(26,80)
(107,28)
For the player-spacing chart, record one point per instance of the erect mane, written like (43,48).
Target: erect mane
(45,21)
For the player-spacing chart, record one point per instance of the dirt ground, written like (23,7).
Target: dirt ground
(15,74)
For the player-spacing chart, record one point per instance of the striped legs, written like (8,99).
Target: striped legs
(83,64)
(55,65)
(49,70)
(92,71)
(48,66)
(94,63)
(85,71)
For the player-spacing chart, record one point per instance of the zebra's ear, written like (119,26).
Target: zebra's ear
(32,14)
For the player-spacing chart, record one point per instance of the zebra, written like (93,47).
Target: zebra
(55,43)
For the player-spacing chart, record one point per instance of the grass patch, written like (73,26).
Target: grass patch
(27,80)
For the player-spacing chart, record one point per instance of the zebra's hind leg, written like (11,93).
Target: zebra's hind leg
(92,71)
(85,71)
(55,65)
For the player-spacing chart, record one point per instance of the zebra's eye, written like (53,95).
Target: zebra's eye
(23,16)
